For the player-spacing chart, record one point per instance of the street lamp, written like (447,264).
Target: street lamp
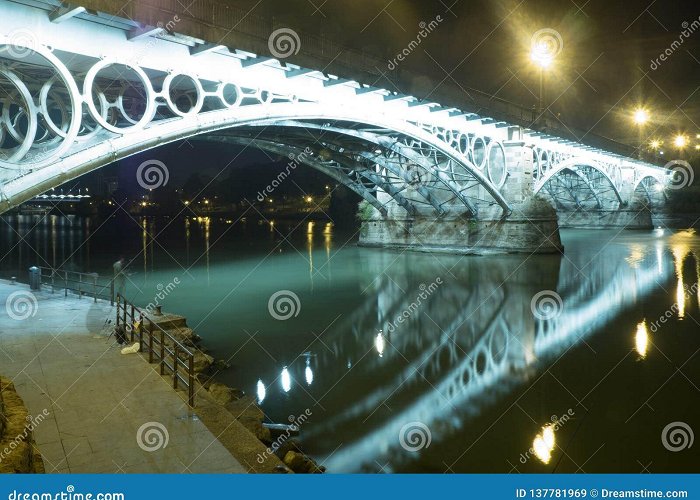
(680,141)
(542,54)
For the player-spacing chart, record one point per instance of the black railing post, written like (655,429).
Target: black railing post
(175,362)
(118,306)
(162,351)
(150,341)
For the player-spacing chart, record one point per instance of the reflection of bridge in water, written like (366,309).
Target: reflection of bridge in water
(470,341)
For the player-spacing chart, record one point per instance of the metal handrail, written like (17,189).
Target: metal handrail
(154,337)
(90,284)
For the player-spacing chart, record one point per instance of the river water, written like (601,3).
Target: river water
(414,362)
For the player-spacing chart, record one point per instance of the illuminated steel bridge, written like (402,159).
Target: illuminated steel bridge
(82,89)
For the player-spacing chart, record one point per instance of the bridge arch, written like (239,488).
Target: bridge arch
(103,149)
(588,174)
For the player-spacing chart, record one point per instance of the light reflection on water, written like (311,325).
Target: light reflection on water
(468,360)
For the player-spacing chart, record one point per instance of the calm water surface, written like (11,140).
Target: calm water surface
(413,362)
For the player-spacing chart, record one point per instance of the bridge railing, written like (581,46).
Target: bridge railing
(83,284)
(171,354)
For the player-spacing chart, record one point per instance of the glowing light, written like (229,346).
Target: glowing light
(309,375)
(286,379)
(261,391)
(542,55)
(641,339)
(380,343)
(680,141)
(655,144)
(187,202)
(309,199)
(544,443)
(641,116)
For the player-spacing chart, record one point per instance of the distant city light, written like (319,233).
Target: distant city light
(655,144)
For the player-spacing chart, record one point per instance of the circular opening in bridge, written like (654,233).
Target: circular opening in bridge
(496,168)
(463,144)
(230,95)
(479,152)
(480,364)
(184,94)
(465,377)
(19,121)
(126,90)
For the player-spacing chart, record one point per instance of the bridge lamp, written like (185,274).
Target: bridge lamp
(542,54)
(641,116)
(680,141)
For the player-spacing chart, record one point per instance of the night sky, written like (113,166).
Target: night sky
(603,72)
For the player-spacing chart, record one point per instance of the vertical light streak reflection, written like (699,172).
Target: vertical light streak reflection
(641,339)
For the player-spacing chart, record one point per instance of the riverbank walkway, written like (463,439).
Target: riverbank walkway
(98,411)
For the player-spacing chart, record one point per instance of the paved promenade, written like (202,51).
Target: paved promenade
(107,412)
